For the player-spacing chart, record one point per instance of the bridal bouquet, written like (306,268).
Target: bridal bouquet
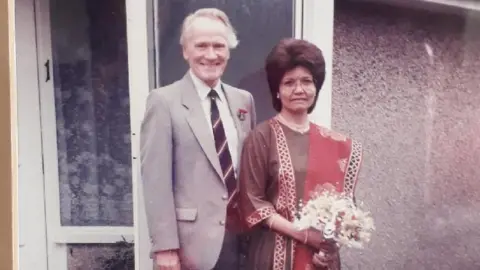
(338,217)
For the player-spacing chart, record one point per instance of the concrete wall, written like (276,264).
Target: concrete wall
(406,83)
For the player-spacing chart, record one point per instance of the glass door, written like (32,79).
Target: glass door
(86,134)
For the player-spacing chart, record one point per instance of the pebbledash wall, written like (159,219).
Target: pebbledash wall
(406,83)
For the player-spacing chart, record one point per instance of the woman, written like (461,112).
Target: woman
(286,158)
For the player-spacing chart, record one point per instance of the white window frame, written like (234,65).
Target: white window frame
(31,198)
(318,28)
(139,74)
(298,8)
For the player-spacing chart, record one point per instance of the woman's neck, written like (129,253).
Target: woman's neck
(297,119)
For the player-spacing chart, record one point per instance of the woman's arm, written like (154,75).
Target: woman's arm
(256,207)
(279,224)
(254,179)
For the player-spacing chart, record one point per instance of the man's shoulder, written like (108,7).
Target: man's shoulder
(168,92)
(237,90)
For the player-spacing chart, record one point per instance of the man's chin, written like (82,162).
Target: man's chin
(210,77)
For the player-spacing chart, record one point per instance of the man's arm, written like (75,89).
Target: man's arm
(156,174)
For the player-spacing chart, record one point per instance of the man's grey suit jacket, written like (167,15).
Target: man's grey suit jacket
(185,197)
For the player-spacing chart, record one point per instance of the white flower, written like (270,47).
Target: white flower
(337,217)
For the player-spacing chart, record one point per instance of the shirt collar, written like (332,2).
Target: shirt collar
(203,89)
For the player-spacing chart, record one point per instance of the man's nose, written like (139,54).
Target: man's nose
(210,53)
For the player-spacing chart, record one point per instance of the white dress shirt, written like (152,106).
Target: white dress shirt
(225,116)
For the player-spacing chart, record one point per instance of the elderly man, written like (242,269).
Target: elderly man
(191,138)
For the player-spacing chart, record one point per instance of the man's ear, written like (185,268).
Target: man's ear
(184,52)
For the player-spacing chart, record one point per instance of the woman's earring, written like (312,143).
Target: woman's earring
(278,96)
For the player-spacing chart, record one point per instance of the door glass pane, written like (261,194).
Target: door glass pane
(90,73)
(406,84)
(257,29)
(115,256)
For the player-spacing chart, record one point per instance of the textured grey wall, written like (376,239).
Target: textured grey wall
(419,119)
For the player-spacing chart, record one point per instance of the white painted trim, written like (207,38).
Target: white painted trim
(138,72)
(297,18)
(318,29)
(468,5)
(57,254)
(156,43)
(92,235)
(47,112)
(32,250)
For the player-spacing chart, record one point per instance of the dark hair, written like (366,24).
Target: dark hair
(288,54)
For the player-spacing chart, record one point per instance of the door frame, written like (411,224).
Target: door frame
(59,236)
(140,37)
(31,197)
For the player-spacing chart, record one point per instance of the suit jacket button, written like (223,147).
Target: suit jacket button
(222,222)
(225,197)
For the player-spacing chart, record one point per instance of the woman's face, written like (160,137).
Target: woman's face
(297,90)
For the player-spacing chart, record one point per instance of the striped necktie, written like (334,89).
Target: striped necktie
(221,144)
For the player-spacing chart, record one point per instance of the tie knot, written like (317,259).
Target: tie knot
(213,94)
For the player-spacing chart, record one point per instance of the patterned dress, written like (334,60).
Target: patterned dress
(278,168)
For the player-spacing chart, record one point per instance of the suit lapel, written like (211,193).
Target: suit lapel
(199,125)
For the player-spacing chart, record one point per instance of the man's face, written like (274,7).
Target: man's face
(206,49)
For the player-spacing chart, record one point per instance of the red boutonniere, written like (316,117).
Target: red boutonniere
(241,114)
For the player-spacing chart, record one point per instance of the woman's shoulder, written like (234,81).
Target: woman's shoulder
(263,126)
(334,135)
(345,145)
(262,129)
(260,133)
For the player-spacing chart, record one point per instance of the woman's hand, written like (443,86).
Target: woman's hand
(326,256)
(314,238)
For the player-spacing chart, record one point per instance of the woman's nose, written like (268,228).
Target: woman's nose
(298,87)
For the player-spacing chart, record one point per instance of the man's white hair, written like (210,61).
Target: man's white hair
(212,13)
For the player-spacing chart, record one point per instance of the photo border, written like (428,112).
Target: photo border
(8,137)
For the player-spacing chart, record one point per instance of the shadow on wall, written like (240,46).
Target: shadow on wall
(406,84)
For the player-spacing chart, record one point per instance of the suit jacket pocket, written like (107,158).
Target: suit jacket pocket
(186,214)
